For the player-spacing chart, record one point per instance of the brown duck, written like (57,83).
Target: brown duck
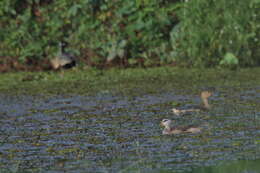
(169,129)
(204,107)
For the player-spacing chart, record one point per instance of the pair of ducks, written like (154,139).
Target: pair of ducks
(168,127)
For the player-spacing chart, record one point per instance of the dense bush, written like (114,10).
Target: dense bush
(147,32)
(217,32)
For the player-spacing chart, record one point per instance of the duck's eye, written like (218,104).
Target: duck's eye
(164,120)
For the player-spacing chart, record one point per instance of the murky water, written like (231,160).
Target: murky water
(118,133)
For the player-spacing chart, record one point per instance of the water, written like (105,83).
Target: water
(109,132)
(239,166)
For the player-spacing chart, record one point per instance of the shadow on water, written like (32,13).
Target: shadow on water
(113,133)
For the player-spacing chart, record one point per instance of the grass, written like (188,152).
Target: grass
(89,81)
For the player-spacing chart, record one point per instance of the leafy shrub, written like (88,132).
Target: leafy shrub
(34,28)
(212,28)
(146,31)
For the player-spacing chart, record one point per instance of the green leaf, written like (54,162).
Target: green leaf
(229,59)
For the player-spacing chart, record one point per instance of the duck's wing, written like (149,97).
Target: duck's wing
(194,130)
(172,131)
(185,111)
(185,128)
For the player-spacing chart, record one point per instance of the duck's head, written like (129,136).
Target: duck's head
(206,94)
(166,123)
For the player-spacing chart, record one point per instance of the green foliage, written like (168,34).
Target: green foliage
(117,50)
(229,60)
(201,34)
(111,29)
(212,28)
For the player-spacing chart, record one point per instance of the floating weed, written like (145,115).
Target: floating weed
(68,151)
(257,141)
(237,143)
(88,130)
(50,110)
(51,150)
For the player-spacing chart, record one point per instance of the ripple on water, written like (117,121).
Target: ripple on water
(112,133)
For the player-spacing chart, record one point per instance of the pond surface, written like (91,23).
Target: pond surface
(109,132)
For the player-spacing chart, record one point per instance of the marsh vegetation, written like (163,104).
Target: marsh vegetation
(108,121)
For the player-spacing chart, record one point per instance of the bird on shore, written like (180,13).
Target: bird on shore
(204,107)
(63,59)
(170,129)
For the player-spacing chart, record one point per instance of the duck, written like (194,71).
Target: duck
(204,107)
(63,59)
(169,129)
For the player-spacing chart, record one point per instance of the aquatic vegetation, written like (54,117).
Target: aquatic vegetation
(108,122)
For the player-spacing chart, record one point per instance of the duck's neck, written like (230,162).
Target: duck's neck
(205,103)
(61,48)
